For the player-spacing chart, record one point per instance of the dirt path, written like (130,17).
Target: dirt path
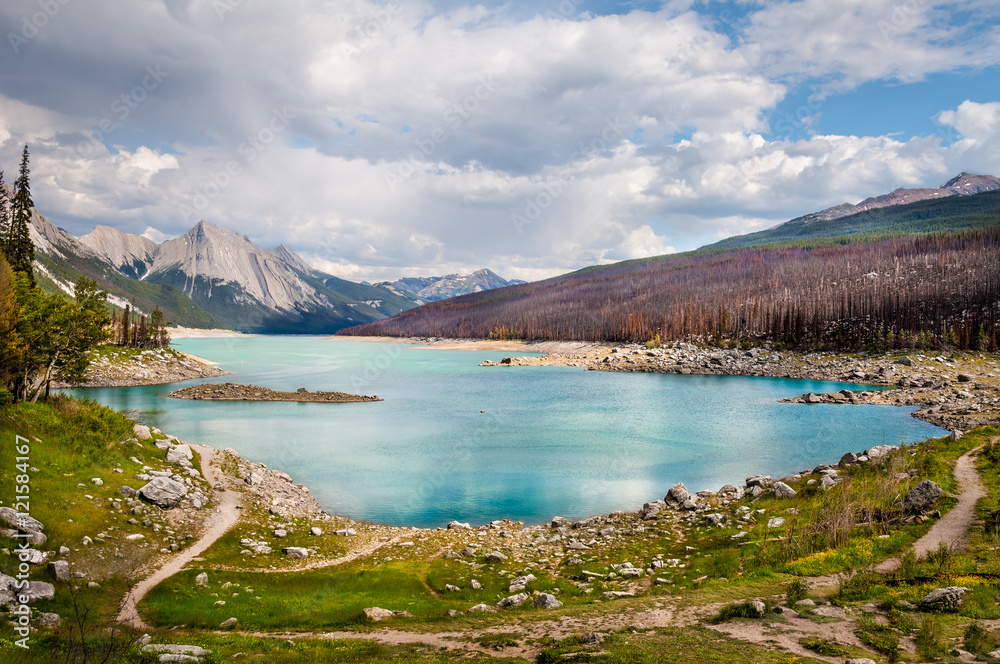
(221,520)
(362,552)
(953,528)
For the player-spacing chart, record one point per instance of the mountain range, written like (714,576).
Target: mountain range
(452,285)
(928,259)
(214,277)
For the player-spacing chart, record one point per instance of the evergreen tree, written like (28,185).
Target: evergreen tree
(18,248)
(4,218)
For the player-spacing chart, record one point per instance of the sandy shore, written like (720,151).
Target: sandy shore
(440,343)
(195,333)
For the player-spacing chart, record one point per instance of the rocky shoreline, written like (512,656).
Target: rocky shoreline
(111,366)
(954,391)
(235,392)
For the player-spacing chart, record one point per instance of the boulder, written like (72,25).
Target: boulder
(955,435)
(127,491)
(782,490)
(455,525)
(201,580)
(828,482)
(141,432)
(546,601)
(226,624)
(945,598)
(848,459)
(759,480)
(727,490)
(296,552)
(881,450)
(50,620)
(559,522)
(830,612)
(316,532)
(520,583)
(677,495)
(965,378)
(811,398)
(253,479)
(375,614)
(164,492)
(475,585)
(19,521)
(775,522)
(32,556)
(922,497)
(496,557)
(905,361)
(36,590)
(859,660)
(512,601)
(179,453)
(60,570)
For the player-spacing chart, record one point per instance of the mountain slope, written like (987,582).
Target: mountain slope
(129,254)
(61,260)
(926,268)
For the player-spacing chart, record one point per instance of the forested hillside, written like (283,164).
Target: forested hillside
(924,290)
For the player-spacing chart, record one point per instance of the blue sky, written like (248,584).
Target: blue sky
(383,139)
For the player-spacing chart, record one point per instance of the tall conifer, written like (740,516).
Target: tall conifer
(4,218)
(19,249)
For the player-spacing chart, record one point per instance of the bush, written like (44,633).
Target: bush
(797,590)
(739,610)
(978,641)
(880,638)
(929,640)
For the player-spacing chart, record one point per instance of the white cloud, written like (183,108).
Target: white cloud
(480,118)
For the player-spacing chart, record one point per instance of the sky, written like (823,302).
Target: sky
(390,139)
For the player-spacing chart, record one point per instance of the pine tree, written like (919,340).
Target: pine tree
(18,248)
(4,218)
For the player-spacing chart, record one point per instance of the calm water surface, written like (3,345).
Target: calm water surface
(553,440)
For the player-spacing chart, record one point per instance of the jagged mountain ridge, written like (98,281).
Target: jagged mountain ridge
(453,285)
(244,286)
(963,184)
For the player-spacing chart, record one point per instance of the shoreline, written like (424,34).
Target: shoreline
(127,367)
(198,333)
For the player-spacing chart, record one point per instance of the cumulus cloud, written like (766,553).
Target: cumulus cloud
(382,140)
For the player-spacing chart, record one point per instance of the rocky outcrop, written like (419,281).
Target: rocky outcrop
(375,614)
(234,392)
(945,598)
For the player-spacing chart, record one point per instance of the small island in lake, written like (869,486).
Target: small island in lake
(234,392)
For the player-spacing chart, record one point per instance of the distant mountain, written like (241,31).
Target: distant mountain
(966,201)
(453,285)
(210,277)
(246,287)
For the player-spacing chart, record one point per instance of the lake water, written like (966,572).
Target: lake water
(552,440)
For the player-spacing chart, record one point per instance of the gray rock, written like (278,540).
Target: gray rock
(19,521)
(316,532)
(955,435)
(966,378)
(512,601)
(691,503)
(923,496)
(945,598)
(758,606)
(482,608)
(375,614)
(32,556)
(127,491)
(905,361)
(759,480)
(848,459)
(141,432)
(859,660)
(296,552)
(830,612)
(520,583)
(775,522)
(455,525)
(175,649)
(559,522)
(179,453)
(36,590)
(475,585)
(806,603)
(782,490)
(178,659)
(727,490)
(496,557)
(715,519)
(253,479)
(60,570)
(164,492)
(50,620)
(881,450)
(546,601)
(231,622)
(452,589)
(677,495)
(828,482)
(201,580)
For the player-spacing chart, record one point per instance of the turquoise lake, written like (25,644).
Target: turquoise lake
(552,440)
